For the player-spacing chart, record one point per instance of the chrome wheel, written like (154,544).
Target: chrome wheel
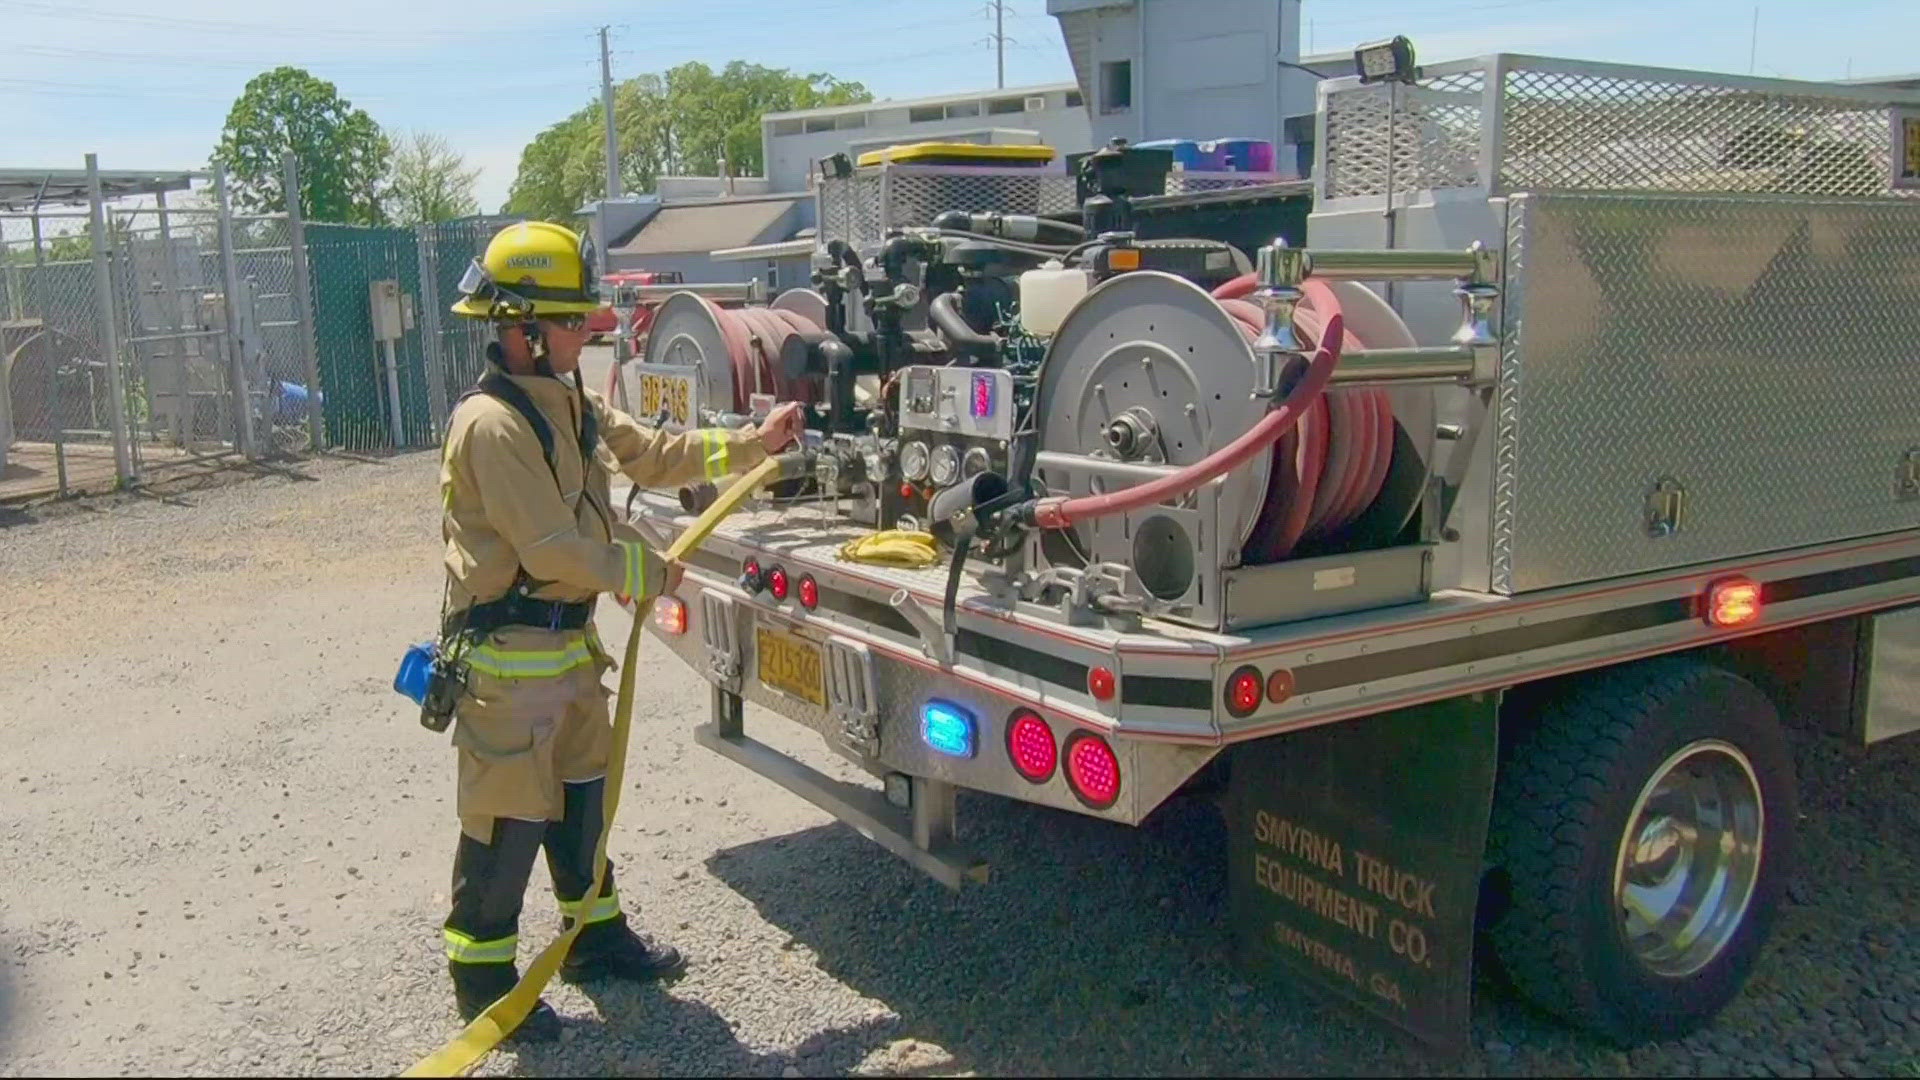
(1690,857)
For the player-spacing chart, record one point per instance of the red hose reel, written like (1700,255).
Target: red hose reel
(1330,468)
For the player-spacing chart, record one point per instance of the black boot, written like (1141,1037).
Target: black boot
(606,947)
(611,950)
(482,930)
(476,986)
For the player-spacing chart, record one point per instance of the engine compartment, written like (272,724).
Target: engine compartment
(998,379)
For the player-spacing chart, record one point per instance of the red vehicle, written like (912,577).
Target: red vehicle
(605,321)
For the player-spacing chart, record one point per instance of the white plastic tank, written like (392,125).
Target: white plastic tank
(1047,294)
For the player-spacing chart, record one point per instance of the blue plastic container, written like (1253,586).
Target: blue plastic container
(1186,152)
(1238,155)
(292,402)
(416,669)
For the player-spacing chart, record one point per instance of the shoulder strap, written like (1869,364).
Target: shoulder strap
(499,386)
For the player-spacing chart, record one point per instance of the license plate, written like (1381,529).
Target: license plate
(672,394)
(791,664)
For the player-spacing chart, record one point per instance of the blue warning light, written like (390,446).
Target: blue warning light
(947,728)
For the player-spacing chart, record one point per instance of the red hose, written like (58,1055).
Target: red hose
(1059,513)
(1357,458)
(1238,288)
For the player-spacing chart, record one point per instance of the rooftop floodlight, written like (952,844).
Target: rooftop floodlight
(1385,61)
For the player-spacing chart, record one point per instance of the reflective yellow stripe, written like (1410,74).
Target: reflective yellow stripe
(607,907)
(636,570)
(528,663)
(715,453)
(466,950)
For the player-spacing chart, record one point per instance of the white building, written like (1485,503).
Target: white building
(1050,115)
(1187,69)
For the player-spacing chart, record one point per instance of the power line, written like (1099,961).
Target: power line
(306,31)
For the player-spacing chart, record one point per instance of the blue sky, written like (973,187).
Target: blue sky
(148,85)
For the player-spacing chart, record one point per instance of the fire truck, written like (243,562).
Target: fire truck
(1468,521)
(621,302)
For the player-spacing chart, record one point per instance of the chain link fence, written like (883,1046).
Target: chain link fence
(456,347)
(191,334)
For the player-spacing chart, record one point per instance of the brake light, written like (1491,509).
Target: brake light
(750,577)
(1733,602)
(777,583)
(670,615)
(947,728)
(1101,683)
(1092,770)
(809,592)
(1244,691)
(1031,748)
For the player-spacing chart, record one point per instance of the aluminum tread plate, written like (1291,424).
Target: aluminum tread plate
(802,533)
(1760,351)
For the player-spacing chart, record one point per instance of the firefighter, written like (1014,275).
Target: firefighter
(531,542)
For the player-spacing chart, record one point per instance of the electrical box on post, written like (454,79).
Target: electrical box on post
(385,305)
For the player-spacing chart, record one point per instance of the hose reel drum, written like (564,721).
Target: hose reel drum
(1149,374)
(725,350)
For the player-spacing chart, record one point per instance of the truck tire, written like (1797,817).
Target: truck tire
(1644,835)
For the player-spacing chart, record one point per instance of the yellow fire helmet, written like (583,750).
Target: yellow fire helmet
(530,270)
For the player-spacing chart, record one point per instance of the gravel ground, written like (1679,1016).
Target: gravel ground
(228,846)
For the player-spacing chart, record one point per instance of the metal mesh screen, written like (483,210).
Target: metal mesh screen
(861,208)
(1432,129)
(1571,130)
(1575,126)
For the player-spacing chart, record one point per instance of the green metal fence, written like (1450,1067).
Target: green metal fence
(361,395)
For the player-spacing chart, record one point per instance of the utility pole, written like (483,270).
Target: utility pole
(999,41)
(606,108)
(1753,41)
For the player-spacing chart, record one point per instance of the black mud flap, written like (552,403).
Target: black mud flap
(1355,852)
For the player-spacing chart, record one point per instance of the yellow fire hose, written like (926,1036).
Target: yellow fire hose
(479,1038)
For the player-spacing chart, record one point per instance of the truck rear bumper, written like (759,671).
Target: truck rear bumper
(921,833)
(867,703)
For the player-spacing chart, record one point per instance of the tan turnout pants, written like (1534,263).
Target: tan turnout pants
(521,736)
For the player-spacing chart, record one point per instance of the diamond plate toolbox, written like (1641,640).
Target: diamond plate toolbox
(1692,378)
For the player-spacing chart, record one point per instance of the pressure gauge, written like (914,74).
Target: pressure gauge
(913,461)
(946,465)
(975,463)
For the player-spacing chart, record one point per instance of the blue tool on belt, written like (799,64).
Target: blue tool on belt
(431,679)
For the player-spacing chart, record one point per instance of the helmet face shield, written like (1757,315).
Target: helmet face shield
(589,268)
(476,279)
(480,285)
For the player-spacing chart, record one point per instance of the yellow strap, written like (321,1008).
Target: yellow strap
(479,1038)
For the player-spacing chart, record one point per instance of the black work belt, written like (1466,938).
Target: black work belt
(514,609)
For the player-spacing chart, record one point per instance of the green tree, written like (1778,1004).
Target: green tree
(430,181)
(688,121)
(342,154)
